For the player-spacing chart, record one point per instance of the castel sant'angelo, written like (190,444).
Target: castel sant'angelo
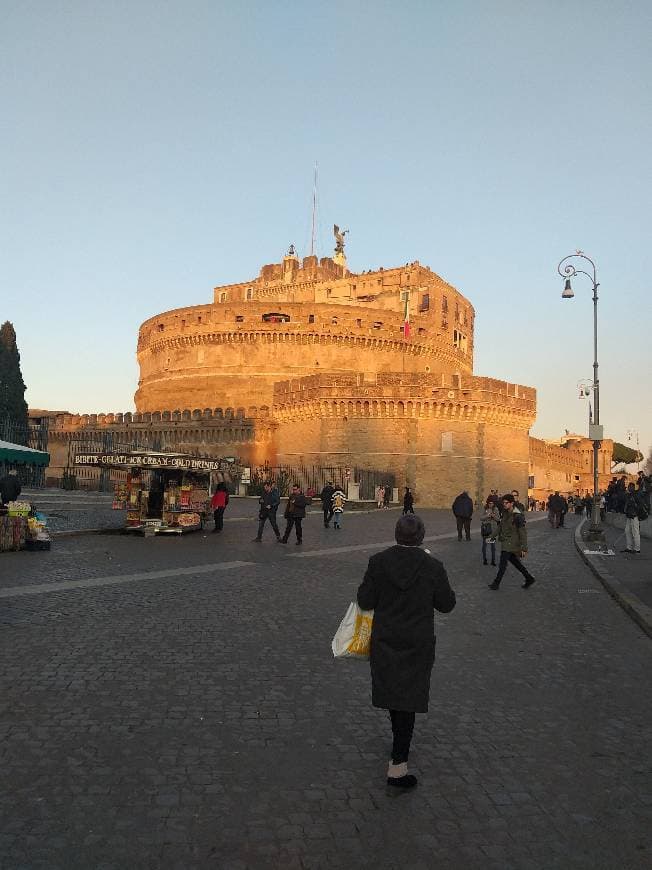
(371,370)
(310,364)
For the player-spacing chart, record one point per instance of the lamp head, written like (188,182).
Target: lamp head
(568,290)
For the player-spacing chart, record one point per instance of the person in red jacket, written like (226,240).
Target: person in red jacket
(218,504)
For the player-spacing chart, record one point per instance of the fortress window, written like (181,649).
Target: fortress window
(223,296)
(311,318)
(239,318)
(378,324)
(275,317)
(161,327)
(249,293)
(422,331)
(425,302)
(459,340)
(358,322)
(457,312)
(333,321)
(199,318)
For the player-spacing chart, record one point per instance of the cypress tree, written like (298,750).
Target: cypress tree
(13,407)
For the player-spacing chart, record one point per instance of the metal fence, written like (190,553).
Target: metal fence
(313,478)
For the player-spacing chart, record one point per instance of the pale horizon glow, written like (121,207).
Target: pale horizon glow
(151,152)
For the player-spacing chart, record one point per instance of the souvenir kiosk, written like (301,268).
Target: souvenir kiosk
(163,493)
(21,527)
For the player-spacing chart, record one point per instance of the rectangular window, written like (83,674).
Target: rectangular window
(425,302)
(249,293)
(311,318)
(446,442)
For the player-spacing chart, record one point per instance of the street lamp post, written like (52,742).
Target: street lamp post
(568,270)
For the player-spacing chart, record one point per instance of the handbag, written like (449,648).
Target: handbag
(353,637)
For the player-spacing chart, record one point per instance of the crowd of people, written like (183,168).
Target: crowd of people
(404,584)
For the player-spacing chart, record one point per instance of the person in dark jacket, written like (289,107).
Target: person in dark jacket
(408,501)
(295,511)
(218,504)
(403,585)
(463,510)
(634,509)
(512,535)
(326,497)
(10,487)
(268,505)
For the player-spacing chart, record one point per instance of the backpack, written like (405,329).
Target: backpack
(642,509)
(485,529)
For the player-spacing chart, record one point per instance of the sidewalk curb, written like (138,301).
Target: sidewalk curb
(631,604)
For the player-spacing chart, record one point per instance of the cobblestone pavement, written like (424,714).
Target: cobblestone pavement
(178,707)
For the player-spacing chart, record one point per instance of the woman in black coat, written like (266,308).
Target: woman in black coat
(403,586)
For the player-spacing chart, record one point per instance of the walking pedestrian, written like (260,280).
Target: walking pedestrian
(295,511)
(463,511)
(555,507)
(489,530)
(387,496)
(326,496)
(635,511)
(408,501)
(337,507)
(402,585)
(218,504)
(380,496)
(564,511)
(512,535)
(267,506)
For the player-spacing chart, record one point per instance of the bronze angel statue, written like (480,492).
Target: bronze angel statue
(339,239)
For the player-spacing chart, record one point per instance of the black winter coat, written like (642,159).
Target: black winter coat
(402,585)
(463,506)
(10,488)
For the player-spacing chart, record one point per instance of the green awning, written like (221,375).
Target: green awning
(17,453)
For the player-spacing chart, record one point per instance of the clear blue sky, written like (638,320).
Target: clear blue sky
(150,151)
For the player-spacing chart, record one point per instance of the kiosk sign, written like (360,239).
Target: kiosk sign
(148,460)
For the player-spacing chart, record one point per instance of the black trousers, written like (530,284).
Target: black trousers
(402,728)
(218,516)
(271,516)
(328,514)
(464,523)
(296,522)
(506,557)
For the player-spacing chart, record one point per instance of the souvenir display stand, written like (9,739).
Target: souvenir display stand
(164,493)
(21,526)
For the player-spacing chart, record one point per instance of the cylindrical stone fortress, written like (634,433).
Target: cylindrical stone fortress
(302,319)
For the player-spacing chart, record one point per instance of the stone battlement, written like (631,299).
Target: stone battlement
(396,394)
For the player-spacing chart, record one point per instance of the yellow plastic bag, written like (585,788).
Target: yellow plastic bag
(353,637)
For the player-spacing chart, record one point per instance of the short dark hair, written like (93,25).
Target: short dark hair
(409,530)
(508,497)
(297,485)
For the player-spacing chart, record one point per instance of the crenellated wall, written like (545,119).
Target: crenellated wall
(567,465)
(246,433)
(438,434)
